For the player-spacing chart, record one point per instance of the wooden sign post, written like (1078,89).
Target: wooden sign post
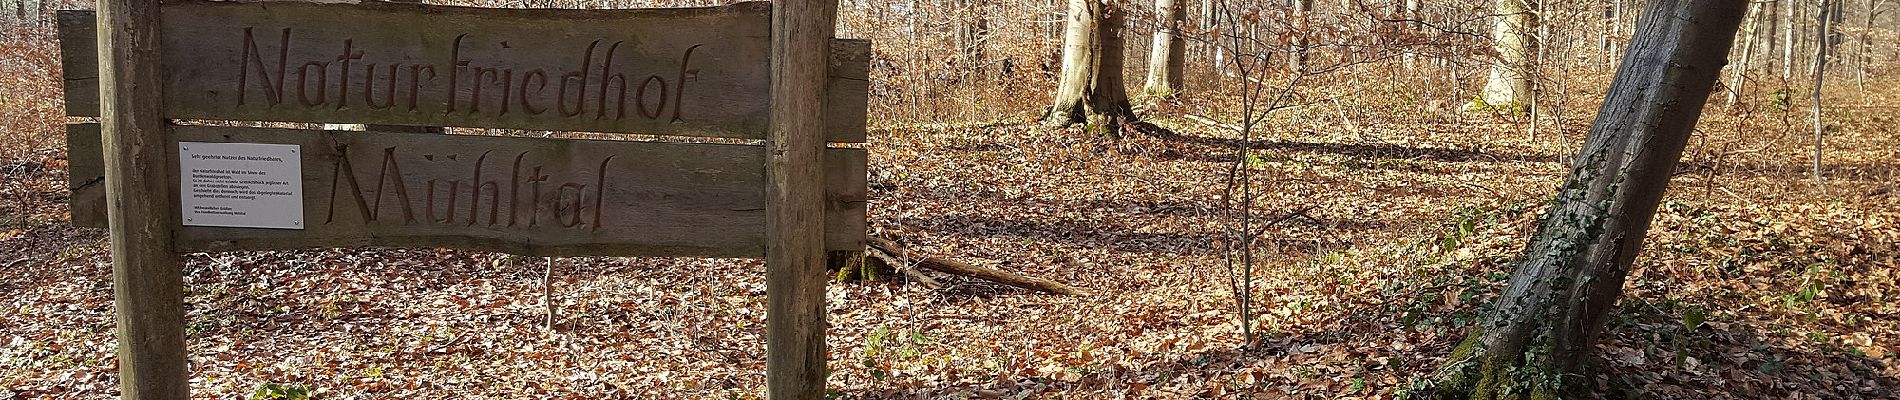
(795,252)
(148,280)
(746,71)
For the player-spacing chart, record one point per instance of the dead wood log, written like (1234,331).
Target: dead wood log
(954,267)
(900,266)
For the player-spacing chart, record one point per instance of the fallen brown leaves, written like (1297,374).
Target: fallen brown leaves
(1754,285)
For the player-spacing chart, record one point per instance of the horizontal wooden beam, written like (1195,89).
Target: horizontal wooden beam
(682,71)
(529,196)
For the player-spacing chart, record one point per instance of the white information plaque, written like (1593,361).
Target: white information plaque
(244,185)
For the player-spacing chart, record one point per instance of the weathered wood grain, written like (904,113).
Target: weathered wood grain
(86,175)
(79,61)
(683,71)
(660,199)
(148,283)
(795,251)
(847,94)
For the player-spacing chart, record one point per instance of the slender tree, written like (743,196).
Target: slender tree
(1738,71)
(1866,44)
(1535,341)
(1790,24)
(1766,38)
(1410,10)
(1824,24)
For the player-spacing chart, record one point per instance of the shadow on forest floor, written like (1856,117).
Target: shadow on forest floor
(1358,150)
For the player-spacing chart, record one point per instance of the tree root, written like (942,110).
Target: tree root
(1474,373)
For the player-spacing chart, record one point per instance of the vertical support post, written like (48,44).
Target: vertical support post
(147,278)
(795,207)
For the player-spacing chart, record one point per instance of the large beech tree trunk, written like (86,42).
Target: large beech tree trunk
(1078,63)
(1514,39)
(1092,82)
(1537,340)
(1110,94)
(1167,57)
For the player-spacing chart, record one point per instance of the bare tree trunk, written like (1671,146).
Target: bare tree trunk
(1866,46)
(1771,10)
(1302,11)
(1167,56)
(1823,35)
(1738,71)
(1413,25)
(1616,30)
(1509,88)
(1078,63)
(1212,51)
(1789,16)
(1092,57)
(1537,341)
(1108,95)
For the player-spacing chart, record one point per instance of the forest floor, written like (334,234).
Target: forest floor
(1388,239)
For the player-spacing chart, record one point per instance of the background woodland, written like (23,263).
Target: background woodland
(1384,179)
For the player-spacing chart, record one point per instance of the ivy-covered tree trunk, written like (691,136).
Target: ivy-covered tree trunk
(1538,338)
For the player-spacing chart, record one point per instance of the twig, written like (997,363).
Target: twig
(547,292)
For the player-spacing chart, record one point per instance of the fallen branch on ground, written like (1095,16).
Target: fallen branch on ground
(891,252)
(904,268)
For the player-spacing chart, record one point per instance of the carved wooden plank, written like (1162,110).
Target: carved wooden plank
(79,61)
(847,107)
(633,198)
(86,175)
(679,71)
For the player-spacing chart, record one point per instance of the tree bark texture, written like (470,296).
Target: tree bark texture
(1301,11)
(1110,94)
(1535,342)
(1091,82)
(1167,56)
(1078,63)
(1738,71)
(1513,37)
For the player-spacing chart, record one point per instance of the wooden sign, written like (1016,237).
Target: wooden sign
(739,71)
(375,62)
(685,71)
(530,196)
